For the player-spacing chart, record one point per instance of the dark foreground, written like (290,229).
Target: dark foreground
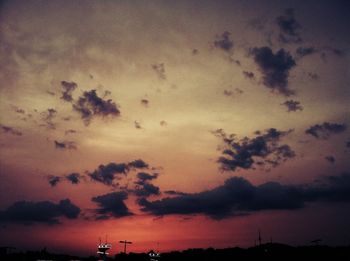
(264,252)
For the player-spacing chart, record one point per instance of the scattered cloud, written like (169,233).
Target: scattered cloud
(292,105)
(238,196)
(47,118)
(145,102)
(146,190)
(144,177)
(330,159)
(70,131)
(138,164)
(224,42)
(248,75)
(53,180)
(275,68)
(112,205)
(325,130)
(107,173)
(305,51)
(74,177)
(90,105)
(137,125)
(263,149)
(163,123)
(68,145)
(67,90)
(10,130)
(27,212)
(159,69)
(289,27)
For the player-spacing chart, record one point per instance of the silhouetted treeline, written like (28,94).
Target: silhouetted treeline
(270,251)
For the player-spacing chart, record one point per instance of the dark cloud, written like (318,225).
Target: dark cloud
(224,42)
(246,153)
(137,125)
(175,193)
(47,118)
(347,144)
(248,75)
(107,173)
(53,180)
(144,102)
(67,90)
(112,205)
(195,51)
(313,76)
(27,212)
(144,177)
(74,178)
(138,164)
(146,190)
(304,51)
(289,27)
(232,92)
(70,131)
(65,145)
(90,105)
(163,123)
(325,130)
(238,196)
(292,105)
(330,159)
(275,68)
(10,130)
(159,68)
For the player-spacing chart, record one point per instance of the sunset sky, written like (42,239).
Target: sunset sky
(173,124)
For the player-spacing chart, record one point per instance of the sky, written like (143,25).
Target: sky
(173,124)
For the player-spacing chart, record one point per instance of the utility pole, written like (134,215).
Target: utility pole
(259,238)
(125,242)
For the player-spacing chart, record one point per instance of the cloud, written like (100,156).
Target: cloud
(144,177)
(107,173)
(175,193)
(10,130)
(163,123)
(47,118)
(90,105)
(347,144)
(275,68)
(289,27)
(330,159)
(68,145)
(27,212)
(112,205)
(146,190)
(248,75)
(53,180)
(68,88)
(264,149)
(238,196)
(224,42)
(159,69)
(293,105)
(74,178)
(138,164)
(145,102)
(304,51)
(70,131)
(137,125)
(325,130)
